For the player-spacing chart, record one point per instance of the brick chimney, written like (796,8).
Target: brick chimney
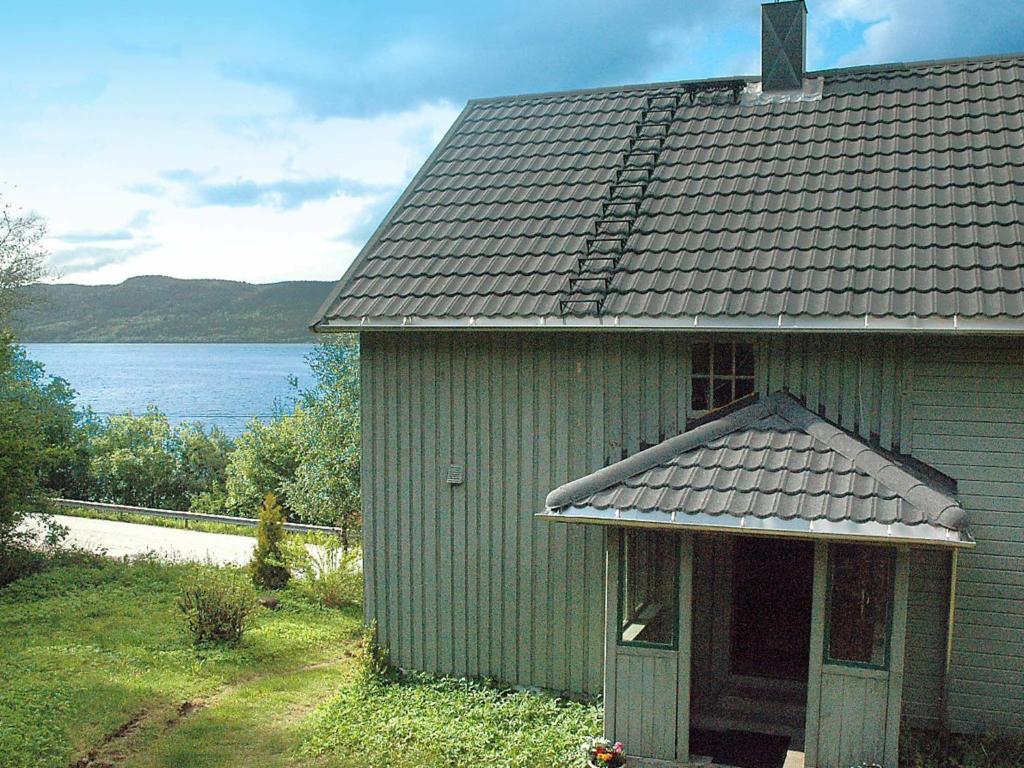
(783,45)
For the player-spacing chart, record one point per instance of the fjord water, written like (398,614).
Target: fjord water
(218,384)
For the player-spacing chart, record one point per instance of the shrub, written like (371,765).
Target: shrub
(928,749)
(215,606)
(372,662)
(264,458)
(17,562)
(332,574)
(268,569)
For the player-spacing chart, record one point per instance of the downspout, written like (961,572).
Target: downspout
(944,695)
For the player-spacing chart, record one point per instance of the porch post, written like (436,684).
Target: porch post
(611,594)
(896,655)
(685,645)
(817,653)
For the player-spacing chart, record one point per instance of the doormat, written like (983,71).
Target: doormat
(740,748)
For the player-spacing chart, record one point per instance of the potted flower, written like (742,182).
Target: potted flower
(602,753)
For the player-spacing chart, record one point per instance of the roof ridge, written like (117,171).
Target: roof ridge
(892,66)
(654,456)
(896,66)
(888,472)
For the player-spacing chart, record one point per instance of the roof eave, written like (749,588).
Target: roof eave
(845,530)
(762,323)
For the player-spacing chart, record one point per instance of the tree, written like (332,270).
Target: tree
(265,458)
(22,256)
(201,461)
(65,428)
(267,567)
(325,486)
(131,461)
(22,449)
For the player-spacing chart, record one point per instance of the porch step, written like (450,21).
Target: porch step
(772,727)
(789,713)
(759,705)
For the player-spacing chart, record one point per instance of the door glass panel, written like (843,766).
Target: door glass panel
(859,604)
(648,603)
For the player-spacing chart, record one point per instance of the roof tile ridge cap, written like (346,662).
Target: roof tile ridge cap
(580,488)
(938,508)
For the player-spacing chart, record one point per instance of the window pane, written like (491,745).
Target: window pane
(648,605)
(744,387)
(702,359)
(744,359)
(860,594)
(721,363)
(722,393)
(699,400)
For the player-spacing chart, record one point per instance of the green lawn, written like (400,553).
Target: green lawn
(93,660)
(96,672)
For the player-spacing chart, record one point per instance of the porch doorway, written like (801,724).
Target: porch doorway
(772,586)
(752,607)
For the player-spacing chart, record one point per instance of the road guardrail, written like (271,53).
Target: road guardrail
(197,516)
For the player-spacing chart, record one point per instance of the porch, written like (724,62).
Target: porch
(756,585)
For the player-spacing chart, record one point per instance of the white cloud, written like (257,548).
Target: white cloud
(84,166)
(903,30)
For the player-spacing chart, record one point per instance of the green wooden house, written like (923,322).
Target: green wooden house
(708,397)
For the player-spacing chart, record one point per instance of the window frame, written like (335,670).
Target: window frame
(890,610)
(711,377)
(621,596)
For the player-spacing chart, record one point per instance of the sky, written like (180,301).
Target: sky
(263,140)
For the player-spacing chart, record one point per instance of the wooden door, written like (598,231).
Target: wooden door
(858,627)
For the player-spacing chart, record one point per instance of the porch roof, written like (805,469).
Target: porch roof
(770,467)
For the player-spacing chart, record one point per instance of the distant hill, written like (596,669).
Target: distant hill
(165,309)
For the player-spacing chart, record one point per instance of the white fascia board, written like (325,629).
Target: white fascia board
(848,530)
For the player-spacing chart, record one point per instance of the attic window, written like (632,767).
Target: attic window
(721,373)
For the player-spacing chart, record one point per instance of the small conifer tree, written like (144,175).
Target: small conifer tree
(267,567)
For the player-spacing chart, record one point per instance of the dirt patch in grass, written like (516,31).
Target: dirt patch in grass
(116,746)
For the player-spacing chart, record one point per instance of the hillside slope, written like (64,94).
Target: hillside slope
(165,309)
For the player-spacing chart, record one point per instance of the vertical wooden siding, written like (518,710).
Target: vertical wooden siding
(968,421)
(463,580)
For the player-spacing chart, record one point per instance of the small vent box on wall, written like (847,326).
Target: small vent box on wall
(455,475)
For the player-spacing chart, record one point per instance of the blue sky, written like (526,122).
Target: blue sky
(262,141)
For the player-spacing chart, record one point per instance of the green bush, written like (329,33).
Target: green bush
(142,460)
(331,574)
(215,606)
(422,721)
(373,664)
(268,568)
(325,486)
(17,562)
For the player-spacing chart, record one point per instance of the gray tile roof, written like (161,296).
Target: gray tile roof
(771,460)
(897,195)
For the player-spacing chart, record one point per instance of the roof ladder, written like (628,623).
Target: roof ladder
(588,284)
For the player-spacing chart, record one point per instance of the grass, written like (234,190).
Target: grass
(94,661)
(98,672)
(422,721)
